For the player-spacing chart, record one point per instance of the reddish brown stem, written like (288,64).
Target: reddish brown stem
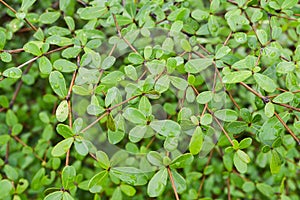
(173,183)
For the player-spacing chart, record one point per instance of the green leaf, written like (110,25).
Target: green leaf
(67,196)
(58,195)
(185,45)
(103,159)
(11,172)
(179,83)
(148,52)
(110,123)
(269,109)
(58,83)
(240,165)
(275,162)
(158,183)
(22,186)
(200,14)
(288,4)
(285,97)
(262,36)
(71,52)
(6,57)
(108,62)
(62,147)
(49,17)
(246,142)
(155,158)
(182,161)
(145,106)
(265,189)
(113,78)
(2,39)
(27,4)
(64,130)
(214,5)
(128,190)
(226,115)
(130,71)
(89,13)
(123,20)
(243,156)
(45,65)
(81,146)
(12,72)
(236,77)
(179,181)
(162,84)
(197,65)
(63,4)
(223,51)
(156,66)
(285,67)
(130,175)
(4,139)
(196,142)
(137,133)
(68,176)
(177,26)
(62,111)
(111,95)
(5,187)
(206,119)
(117,194)
(166,127)
(204,97)
(64,65)
(240,37)
(265,82)
(70,22)
(135,116)
(135,58)
(98,180)
(115,137)
(80,90)
(11,118)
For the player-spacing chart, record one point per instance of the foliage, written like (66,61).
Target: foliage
(138,99)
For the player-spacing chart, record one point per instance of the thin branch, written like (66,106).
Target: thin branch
(25,145)
(14,11)
(120,35)
(227,39)
(13,50)
(251,90)
(173,183)
(220,125)
(288,106)
(203,178)
(94,122)
(287,128)
(228,188)
(106,113)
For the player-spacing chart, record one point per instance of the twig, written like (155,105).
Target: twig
(108,110)
(121,37)
(173,183)
(227,39)
(14,11)
(228,188)
(287,128)
(203,178)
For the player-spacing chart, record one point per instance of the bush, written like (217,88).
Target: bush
(139,99)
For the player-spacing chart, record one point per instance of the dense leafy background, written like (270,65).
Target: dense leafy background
(141,99)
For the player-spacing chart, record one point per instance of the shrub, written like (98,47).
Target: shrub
(139,99)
